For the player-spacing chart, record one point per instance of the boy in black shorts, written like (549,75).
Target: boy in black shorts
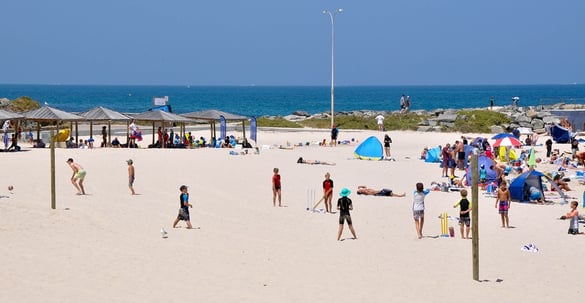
(465,208)
(344,205)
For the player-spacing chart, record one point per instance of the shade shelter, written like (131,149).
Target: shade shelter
(48,114)
(8,115)
(102,114)
(213,115)
(162,117)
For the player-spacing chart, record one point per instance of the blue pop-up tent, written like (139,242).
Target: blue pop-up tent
(370,149)
(433,154)
(487,164)
(520,187)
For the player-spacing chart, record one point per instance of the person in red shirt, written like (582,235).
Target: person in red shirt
(328,192)
(276,187)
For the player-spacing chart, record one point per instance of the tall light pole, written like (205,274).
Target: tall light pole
(332,18)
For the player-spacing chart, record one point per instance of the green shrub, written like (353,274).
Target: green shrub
(276,122)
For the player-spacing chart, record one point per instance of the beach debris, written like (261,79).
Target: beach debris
(529,247)
(163,233)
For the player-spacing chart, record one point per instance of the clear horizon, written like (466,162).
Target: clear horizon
(265,43)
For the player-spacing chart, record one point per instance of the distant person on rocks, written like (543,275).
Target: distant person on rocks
(380,120)
(402,103)
(492,103)
(334,133)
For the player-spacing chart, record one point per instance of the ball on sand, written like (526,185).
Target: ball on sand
(10,187)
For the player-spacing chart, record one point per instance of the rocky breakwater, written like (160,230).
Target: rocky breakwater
(446,120)
(532,117)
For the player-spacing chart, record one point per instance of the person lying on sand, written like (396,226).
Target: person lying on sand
(364,190)
(302,161)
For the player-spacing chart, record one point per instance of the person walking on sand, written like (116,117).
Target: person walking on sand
(503,200)
(344,205)
(131,175)
(380,120)
(276,188)
(78,176)
(104,137)
(418,208)
(328,192)
(573,215)
(184,207)
(464,210)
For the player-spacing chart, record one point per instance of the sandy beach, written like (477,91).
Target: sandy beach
(106,246)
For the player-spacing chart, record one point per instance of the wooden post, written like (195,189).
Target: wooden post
(53,196)
(475,217)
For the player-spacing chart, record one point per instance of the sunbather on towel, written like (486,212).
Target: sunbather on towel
(364,190)
(303,161)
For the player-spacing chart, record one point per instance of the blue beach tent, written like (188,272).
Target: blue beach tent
(487,163)
(560,134)
(370,149)
(433,154)
(519,188)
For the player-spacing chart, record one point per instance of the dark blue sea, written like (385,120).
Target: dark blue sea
(283,100)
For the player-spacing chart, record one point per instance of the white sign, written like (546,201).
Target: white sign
(159,101)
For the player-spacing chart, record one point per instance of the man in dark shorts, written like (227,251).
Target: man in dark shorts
(384,192)
(460,155)
(334,133)
(344,205)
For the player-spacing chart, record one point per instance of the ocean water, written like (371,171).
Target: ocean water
(283,100)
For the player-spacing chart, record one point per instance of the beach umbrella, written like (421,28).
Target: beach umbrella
(508,141)
(502,135)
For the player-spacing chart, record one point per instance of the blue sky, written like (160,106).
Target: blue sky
(276,42)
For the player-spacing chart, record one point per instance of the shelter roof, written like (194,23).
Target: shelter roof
(47,113)
(213,114)
(104,114)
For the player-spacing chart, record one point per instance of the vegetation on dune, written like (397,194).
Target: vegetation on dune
(478,121)
(473,121)
(22,104)
(276,122)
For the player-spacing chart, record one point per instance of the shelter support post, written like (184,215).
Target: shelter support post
(53,196)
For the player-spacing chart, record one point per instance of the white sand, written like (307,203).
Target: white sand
(107,247)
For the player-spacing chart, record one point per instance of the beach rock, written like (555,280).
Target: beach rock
(531,113)
(4,101)
(423,128)
(447,117)
(522,118)
(301,113)
(551,119)
(537,123)
(539,131)
(543,114)
(295,118)
(525,124)
(496,129)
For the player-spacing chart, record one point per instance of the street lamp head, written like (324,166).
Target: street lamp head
(340,10)
(325,12)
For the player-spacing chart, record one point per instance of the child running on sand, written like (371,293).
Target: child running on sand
(465,209)
(328,192)
(503,200)
(573,214)
(418,208)
(184,207)
(344,205)
(276,188)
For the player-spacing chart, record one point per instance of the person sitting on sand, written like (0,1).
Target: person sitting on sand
(423,154)
(560,183)
(364,190)
(303,161)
